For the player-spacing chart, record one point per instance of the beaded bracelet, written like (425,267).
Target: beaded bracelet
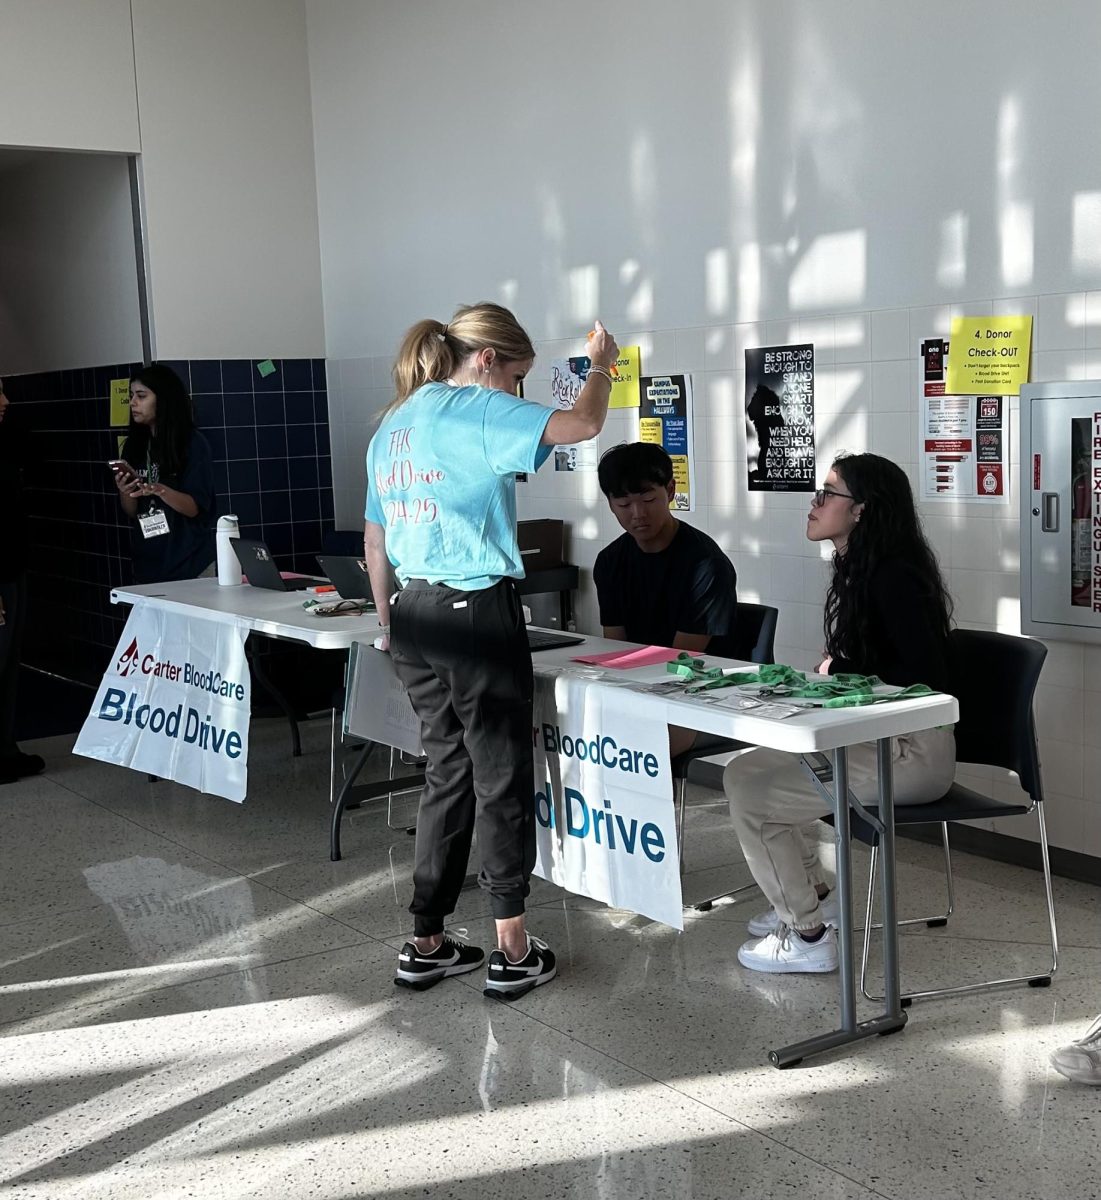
(596,369)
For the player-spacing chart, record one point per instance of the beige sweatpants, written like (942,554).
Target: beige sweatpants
(771,796)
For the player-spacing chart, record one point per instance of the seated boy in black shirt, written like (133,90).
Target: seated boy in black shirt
(662,583)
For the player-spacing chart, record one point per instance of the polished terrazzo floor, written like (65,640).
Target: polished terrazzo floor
(194,1002)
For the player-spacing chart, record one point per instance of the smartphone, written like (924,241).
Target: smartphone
(118,464)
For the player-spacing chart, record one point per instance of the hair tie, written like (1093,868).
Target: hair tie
(443,334)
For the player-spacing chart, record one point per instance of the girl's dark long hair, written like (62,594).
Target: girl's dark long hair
(175,424)
(889,527)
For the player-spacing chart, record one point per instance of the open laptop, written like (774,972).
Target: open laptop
(260,569)
(347,575)
(544,639)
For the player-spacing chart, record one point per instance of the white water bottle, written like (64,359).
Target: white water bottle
(229,569)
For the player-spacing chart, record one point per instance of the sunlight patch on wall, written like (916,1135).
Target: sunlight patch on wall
(749,282)
(583,292)
(1015,218)
(716,269)
(1015,235)
(1008,618)
(629,271)
(1086,233)
(640,307)
(952,260)
(833,271)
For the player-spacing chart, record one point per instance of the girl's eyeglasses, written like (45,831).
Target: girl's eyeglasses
(823,494)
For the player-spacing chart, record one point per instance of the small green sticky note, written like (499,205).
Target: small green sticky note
(266,368)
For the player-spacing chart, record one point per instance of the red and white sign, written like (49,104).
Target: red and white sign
(964,439)
(175,702)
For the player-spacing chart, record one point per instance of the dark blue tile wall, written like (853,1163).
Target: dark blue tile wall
(272,467)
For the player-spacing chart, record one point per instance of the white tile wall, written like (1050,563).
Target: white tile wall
(866,399)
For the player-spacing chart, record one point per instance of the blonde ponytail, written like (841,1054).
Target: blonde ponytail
(426,356)
(431,351)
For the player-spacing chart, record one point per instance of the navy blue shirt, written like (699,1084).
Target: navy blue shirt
(187,549)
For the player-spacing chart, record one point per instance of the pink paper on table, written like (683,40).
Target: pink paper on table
(624,660)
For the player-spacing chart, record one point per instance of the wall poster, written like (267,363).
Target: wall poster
(665,417)
(568,376)
(779,418)
(964,451)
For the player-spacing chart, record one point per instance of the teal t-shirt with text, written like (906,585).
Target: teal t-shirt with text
(441,480)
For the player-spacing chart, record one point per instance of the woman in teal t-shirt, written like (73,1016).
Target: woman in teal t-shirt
(441,509)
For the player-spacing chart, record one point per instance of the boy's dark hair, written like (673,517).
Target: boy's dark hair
(634,467)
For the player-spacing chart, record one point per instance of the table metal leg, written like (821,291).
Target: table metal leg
(844,888)
(894,1018)
(892,990)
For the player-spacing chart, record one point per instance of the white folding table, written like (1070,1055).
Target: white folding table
(821,736)
(277,615)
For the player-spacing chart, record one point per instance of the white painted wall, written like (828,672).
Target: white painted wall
(67,74)
(228,176)
(68,280)
(728,162)
(716,177)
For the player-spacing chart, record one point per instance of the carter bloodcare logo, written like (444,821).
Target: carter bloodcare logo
(128,663)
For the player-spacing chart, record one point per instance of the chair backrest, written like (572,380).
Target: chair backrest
(994,677)
(754,637)
(343,543)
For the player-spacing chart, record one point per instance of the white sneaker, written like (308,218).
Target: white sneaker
(1081,1060)
(785,952)
(769,921)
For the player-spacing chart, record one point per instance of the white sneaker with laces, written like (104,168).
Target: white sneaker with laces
(1081,1060)
(785,952)
(769,921)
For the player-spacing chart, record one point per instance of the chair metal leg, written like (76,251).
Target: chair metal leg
(868,926)
(1041,979)
(395,754)
(711,901)
(704,905)
(949,879)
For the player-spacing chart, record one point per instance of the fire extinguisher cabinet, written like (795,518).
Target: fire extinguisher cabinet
(1061,510)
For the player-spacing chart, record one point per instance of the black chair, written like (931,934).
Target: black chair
(753,640)
(994,677)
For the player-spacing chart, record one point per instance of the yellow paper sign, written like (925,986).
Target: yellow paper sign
(120,401)
(649,430)
(682,493)
(988,356)
(625,385)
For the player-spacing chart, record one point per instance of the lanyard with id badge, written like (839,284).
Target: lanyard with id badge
(154,521)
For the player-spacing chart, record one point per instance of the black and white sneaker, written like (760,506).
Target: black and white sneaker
(508,980)
(421,971)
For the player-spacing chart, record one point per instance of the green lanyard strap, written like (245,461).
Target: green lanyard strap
(780,682)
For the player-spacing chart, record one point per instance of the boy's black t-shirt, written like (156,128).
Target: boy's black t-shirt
(689,587)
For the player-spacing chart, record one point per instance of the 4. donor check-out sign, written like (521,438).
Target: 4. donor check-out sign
(175,702)
(604,818)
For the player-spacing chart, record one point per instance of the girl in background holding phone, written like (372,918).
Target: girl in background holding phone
(166,480)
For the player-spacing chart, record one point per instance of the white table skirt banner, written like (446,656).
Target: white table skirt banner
(605,824)
(175,702)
